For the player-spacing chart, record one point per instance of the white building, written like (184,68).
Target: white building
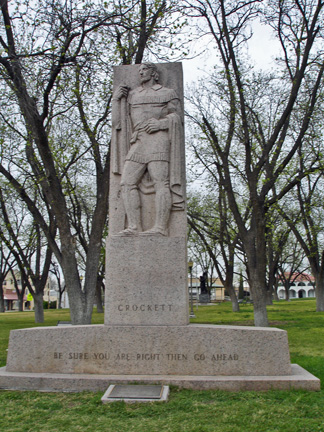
(303,286)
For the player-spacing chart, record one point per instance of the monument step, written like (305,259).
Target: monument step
(298,379)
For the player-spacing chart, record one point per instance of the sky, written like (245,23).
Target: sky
(263,48)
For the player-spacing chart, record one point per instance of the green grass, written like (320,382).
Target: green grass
(187,410)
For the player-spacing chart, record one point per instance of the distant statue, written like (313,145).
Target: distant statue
(148,150)
(203,280)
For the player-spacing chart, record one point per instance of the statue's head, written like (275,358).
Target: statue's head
(153,69)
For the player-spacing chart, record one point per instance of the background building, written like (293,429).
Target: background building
(10,294)
(303,286)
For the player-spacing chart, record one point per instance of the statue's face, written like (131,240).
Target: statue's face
(145,73)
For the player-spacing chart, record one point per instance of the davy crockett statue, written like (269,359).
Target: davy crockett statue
(147,150)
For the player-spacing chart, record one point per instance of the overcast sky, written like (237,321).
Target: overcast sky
(263,48)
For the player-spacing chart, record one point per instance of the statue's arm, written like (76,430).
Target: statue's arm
(154,125)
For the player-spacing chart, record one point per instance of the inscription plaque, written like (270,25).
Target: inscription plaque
(136,392)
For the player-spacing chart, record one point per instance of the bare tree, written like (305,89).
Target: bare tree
(25,241)
(6,265)
(255,125)
(210,219)
(306,222)
(56,77)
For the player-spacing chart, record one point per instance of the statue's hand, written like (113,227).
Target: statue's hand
(122,91)
(152,125)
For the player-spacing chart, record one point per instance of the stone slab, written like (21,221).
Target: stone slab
(298,379)
(192,350)
(136,393)
(146,281)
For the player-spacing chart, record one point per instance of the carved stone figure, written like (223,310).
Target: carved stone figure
(148,156)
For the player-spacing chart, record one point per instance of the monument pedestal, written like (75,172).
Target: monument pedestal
(146,281)
(204,298)
(78,358)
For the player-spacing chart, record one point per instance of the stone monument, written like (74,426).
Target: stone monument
(146,269)
(147,337)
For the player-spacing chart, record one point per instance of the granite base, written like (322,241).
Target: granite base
(299,379)
(77,358)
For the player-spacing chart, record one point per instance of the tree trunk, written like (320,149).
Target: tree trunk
(20,294)
(319,292)
(241,288)
(38,308)
(255,249)
(256,267)
(235,304)
(77,301)
(21,304)
(287,286)
(2,305)
(77,297)
(269,298)
(100,308)
(81,301)
(260,307)
(270,287)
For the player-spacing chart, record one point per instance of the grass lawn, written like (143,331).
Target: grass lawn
(187,410)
